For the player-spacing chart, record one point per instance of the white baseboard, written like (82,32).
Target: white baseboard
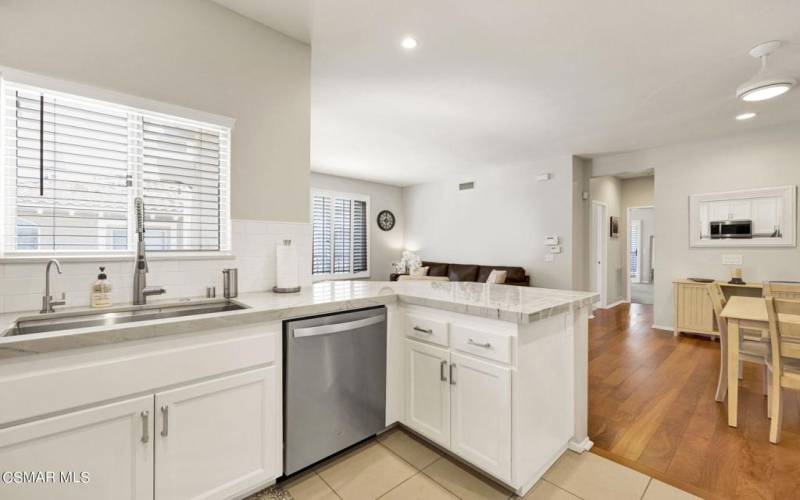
(663,327)
(615,304)
(580,447)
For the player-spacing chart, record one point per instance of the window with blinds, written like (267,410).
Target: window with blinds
(340,235)
(71,168)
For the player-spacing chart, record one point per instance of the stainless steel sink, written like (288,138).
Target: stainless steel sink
(110,317)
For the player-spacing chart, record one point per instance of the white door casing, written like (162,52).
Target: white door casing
(599,245)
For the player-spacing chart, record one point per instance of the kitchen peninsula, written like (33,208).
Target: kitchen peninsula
(210,386)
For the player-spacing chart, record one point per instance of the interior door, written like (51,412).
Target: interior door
(481,414)
(217,439)
(598,246)
(97,453)
(428,391)
(636,251)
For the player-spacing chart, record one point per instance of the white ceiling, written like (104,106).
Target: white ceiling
(497,84)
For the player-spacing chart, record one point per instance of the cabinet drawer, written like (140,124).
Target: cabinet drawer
(490,345)
(430,330)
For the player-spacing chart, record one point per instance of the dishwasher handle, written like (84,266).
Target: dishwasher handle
(312,331)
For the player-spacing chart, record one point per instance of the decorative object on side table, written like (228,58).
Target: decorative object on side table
(386,220)
(736,276)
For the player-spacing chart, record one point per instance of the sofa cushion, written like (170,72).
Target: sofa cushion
(436,268)
(515,274)
(463,272)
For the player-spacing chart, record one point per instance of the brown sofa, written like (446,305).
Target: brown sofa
(470,272)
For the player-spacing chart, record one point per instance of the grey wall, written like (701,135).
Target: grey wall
(762,158)
(503,221)
(192,53)
(385,246)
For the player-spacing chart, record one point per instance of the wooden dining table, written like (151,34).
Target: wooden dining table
(742,313)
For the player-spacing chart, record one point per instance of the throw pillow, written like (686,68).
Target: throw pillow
(420,271)
(497,277)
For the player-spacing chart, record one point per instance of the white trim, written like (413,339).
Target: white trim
(602,287)
(615,304)
(628,248)
(119,257)
(582,446)
(24,78)
(663,327)
(788,194)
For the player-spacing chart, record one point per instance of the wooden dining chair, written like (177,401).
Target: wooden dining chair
(752,348)
(782,290)
(784,329)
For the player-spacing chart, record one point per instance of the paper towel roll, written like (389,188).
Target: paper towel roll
(286,261)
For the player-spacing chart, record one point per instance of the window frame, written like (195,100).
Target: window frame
(334,276)
(134,104)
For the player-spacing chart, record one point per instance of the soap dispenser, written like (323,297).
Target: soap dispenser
(101,290)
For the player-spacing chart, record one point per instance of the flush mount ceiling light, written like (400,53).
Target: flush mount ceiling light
(409,43)
(767,83)
(745,116)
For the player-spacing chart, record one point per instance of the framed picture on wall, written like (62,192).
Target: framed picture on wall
(614,227)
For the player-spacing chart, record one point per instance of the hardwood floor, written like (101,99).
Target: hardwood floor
(651,407)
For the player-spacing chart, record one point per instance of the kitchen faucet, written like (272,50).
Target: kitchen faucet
(47,299)
(140,289)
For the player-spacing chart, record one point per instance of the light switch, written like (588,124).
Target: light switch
(551,240)
(555,249)
(549,257)
(731,260)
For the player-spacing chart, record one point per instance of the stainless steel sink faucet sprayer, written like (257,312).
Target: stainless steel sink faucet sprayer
(140,289)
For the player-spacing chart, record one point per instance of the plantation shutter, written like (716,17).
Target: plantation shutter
(359,236)
(322,248)
(340,243)
(66,170)
(182,185)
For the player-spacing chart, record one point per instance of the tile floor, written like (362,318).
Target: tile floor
(399,466)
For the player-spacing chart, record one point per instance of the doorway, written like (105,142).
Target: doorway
(641,254)
(599,251)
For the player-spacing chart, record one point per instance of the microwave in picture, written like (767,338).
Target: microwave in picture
(725,229)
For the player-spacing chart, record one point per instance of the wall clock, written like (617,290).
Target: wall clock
(386,220)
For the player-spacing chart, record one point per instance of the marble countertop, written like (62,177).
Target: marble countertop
(503,302)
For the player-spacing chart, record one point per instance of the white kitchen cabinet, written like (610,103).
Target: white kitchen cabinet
(217,438)
(765,215)
(428,391)
(480,401)
(111,444)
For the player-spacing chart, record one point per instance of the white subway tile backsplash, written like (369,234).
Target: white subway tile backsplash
(253,247)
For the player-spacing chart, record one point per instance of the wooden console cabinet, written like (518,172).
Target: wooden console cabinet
(692,309)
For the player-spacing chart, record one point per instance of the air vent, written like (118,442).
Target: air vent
(466,185)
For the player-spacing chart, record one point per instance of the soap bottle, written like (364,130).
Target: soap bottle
(101,290)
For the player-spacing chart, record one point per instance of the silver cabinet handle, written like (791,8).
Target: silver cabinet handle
(442,376)
(165,417)
(145,426)
(485,345)
(423,330)
(452,378)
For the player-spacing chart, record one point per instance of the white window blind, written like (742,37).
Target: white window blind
(340,235)
(72,167)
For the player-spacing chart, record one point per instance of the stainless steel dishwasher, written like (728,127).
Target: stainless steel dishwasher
(334,384)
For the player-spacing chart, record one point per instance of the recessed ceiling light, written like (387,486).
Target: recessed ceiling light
(766,84)
(745,116)
(409,43)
